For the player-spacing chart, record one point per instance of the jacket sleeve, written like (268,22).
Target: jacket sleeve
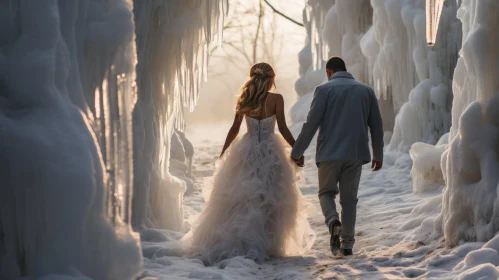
(376,127)
(314,119)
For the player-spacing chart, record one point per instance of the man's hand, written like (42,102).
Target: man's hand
(300,162)
(376,165)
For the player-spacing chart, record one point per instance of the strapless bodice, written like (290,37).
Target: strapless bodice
(260,130)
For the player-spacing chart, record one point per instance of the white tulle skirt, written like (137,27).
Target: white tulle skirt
(255,209)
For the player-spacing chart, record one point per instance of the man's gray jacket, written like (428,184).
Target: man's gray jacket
(342,109)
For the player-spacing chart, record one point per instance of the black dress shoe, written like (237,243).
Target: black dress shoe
(334,242)
(347,252)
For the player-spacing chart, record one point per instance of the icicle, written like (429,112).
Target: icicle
(181,56)
(433,12)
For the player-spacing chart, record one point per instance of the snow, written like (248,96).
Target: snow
(396,238)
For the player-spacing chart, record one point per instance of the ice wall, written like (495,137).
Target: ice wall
(406,71)
(65,178)
(426,116)
(345,24)
(310,70)
(333,28)
(172,40)
(470,207)
(383,43)
(310,60)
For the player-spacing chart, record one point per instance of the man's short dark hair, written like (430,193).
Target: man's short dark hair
(336,64)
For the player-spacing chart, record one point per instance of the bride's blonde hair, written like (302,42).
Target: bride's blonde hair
(251,101)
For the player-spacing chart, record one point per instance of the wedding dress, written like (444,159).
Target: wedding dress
(255,209)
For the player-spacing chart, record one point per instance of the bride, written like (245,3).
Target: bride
(255,209)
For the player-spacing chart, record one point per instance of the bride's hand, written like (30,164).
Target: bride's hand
(300,162)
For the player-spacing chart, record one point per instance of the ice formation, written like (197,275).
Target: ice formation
(426,171)
(172,38)
(404,70)
(342,34)
(311,74)
(67,77)
(384,45)
(310,69)
(471,202)
(433,13)
(64,203)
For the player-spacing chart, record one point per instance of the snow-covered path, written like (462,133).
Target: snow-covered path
(391,243)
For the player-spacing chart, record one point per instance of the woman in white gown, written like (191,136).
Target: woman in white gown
(255,209)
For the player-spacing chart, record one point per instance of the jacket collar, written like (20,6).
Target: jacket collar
(342,74)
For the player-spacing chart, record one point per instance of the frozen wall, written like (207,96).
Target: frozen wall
(470,207)
(426,171)
(406,71)
(333,28)
(64,171)
(310,69)
(383,43)
(345,24)
(426,114)
(172,40)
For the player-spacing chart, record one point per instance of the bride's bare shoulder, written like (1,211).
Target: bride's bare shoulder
(275,96)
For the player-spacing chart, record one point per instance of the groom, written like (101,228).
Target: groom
(342,110)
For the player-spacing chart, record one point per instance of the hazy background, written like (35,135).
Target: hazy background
(277,42)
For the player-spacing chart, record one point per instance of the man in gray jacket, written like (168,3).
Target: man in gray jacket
(342,109)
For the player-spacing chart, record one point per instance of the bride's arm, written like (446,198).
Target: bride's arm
(281,122)
(234,130)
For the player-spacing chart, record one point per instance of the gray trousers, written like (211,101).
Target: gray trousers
(343,177)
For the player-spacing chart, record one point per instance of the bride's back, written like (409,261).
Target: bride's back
(269,105)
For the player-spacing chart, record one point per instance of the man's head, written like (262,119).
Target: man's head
(333,65)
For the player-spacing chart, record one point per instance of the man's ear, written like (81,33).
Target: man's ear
(329,73)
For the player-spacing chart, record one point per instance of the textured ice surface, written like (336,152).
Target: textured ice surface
(470,203)
(172,39)
(63,197)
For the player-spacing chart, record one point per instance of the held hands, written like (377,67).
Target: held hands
(300,162)
(376,165)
